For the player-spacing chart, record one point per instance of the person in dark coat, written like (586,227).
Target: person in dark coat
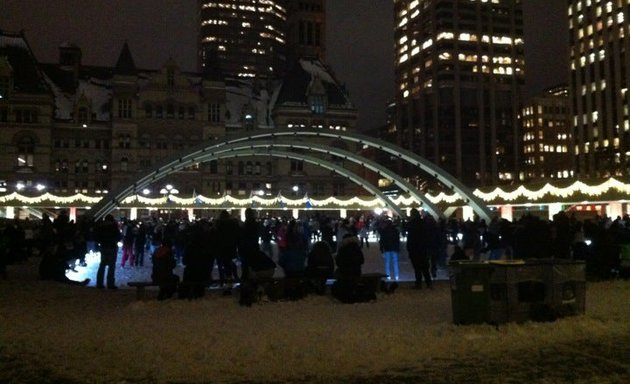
(293,259)
(320,266)
(107,236)
(248,242)
(417,245)
(349,259)
(227,231)
(162,274)
(389,242)
(198,259)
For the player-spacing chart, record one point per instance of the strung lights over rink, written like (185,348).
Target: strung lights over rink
(201,201)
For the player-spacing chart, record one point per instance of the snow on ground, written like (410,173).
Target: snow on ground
(52,332)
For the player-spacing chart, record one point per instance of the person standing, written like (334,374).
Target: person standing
(162,273)
(390,247)
(248,242)
(417,245)
(227,249)
(107,236)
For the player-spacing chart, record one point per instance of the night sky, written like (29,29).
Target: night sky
(359,39)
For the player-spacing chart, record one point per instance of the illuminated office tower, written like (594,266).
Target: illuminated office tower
(547,137)
(599,80)
(459,69)
(245,38)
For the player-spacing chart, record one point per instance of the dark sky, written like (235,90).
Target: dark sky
(359,39)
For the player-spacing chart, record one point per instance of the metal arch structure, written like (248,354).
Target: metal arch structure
(425,165)
(249,152)
(108,204)
(346,155)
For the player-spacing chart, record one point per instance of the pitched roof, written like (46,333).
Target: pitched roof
(305,72)
(26,75)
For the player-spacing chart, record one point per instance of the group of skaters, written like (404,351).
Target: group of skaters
(318,247)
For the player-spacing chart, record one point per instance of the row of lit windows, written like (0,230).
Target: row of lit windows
(214,22)
(559,174)
(594,87)
(318,126)
(608,7)
(546,148)
(544,109)
(599,25)
(500,70)
(414,12)
(81,166)
(271,7)
(540,122)
(595,145)
(415,48)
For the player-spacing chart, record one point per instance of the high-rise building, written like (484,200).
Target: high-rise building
(306,30)
(547,137)
(246,38)
(459,69)
(599,80)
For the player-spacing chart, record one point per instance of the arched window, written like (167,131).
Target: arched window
(26,151)
(241,168)
(229,168)
(248,168)
(83,115)
(148,111)
(124,164)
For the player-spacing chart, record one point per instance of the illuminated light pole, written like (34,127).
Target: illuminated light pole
(168,191)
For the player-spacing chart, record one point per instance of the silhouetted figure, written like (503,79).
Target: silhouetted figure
(417,245)
(198,260)
(389,242)
(348,287)
(248,246)
(163,264)
(107,236)
(227,246)
(320,266)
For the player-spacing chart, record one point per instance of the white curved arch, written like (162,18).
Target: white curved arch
(425,165)
(249,151)
(346,155)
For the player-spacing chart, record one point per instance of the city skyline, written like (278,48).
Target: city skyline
(359,39)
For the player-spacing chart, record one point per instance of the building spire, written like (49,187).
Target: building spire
(125,64)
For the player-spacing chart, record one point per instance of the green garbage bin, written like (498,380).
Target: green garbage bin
(470,293)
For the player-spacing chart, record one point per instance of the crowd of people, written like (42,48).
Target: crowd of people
(317,248)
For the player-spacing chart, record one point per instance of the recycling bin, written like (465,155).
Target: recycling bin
(470,295)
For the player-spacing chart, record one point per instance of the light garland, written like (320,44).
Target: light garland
(548,189)
(497,194)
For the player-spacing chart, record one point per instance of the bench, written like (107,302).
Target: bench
(140,287)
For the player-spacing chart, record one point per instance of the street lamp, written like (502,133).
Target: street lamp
(169,190)
(295,189)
